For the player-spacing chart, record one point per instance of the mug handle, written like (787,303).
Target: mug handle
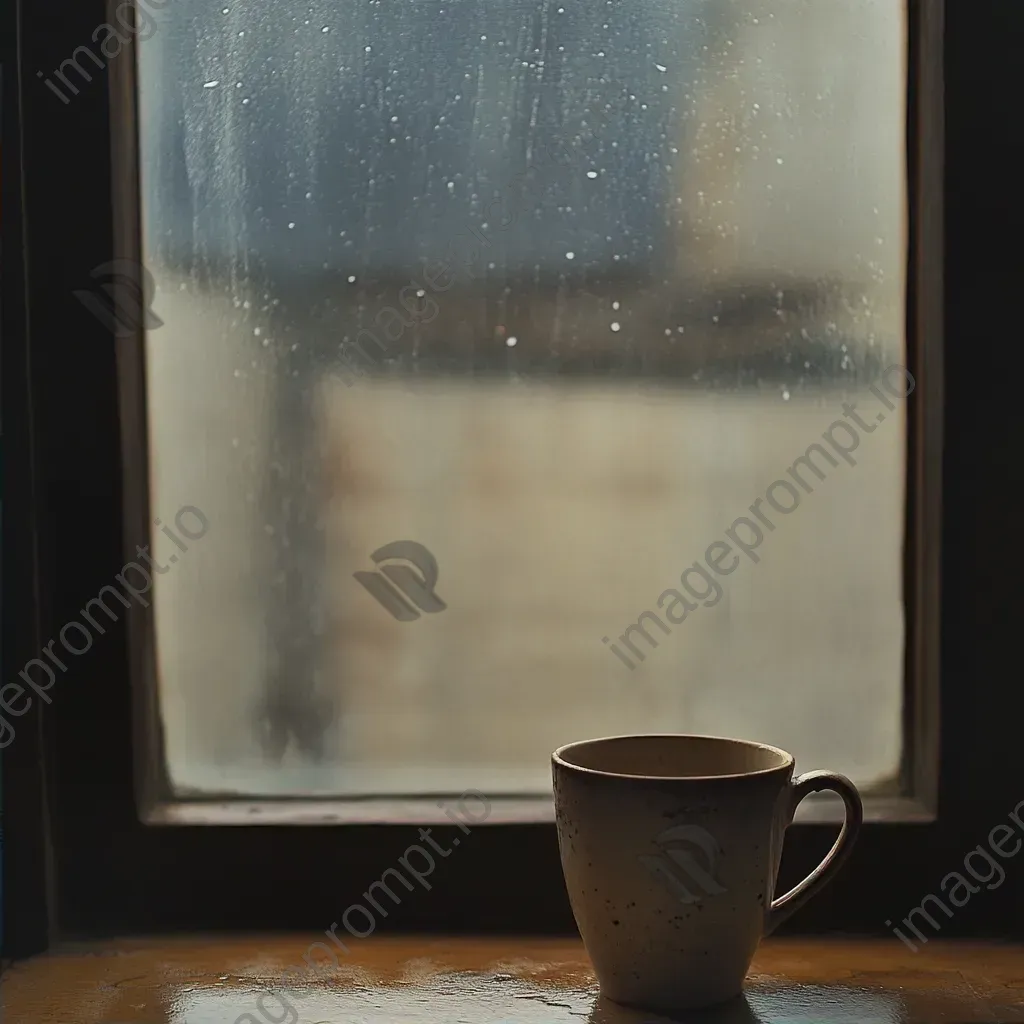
(815,782)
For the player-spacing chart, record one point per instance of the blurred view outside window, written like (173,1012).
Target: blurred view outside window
(554,290)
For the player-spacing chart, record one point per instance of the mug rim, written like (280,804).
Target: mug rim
(787,759)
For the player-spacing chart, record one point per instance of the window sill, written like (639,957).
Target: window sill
(425,811)
(490,980)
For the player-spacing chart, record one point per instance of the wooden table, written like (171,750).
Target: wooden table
(414,980)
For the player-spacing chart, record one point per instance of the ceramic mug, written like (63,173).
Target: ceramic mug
(670,847)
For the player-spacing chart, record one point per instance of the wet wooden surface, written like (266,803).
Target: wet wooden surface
(486,981)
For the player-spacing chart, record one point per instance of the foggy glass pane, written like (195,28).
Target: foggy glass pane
(557,291)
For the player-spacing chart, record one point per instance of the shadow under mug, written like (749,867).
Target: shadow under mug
(670,846)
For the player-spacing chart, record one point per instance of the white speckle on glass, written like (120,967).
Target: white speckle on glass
(211,85)
(351,278)
(570,255)
(511,340)
(615,325)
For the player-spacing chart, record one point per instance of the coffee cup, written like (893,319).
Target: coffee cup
(670,846)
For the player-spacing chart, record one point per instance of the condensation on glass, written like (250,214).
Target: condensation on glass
(555,291)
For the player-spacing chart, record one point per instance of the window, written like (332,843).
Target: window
(560,293)
(91,457)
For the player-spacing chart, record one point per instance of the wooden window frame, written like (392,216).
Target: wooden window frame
(81,861)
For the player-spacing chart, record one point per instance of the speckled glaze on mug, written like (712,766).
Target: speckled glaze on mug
(670,847)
